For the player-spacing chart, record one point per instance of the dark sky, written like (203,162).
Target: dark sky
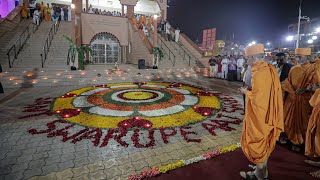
(260,20)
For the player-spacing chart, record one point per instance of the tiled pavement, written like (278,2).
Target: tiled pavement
(25,156)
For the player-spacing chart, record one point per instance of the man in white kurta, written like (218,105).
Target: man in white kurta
(36,17)
(168,27)
(69,13)
(177,35)
(62,14)
(240,63)
(224,63)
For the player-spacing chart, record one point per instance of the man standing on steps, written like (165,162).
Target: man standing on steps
(32,7)
(224,63)
(263,120)
(36,17)
(177,35)
(167,31)
(212,63)
(240,63)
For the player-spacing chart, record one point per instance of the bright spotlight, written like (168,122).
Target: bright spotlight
(290,38)
(155,16)
(253,42)
(73,6)
(268,43)
(314,37)
(310,41)
(318,30)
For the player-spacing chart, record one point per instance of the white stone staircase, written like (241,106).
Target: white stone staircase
(27,71)
(29,57)
(58,53)
(8,39)
(182,55)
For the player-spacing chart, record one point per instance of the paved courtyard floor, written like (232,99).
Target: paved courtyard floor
(117,129)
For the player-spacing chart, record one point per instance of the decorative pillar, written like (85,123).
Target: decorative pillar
(130,11)
(76,25)
(163,15)
(155,33)
(87,6)
(122,10)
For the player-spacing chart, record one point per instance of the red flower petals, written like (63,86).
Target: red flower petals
(135,122)
(175,85)
(101,86)
(68,113)
(68,95)
(204,94)
(139,83)
(204,111)
(135,139)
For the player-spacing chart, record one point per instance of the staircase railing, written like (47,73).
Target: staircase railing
(20,42)
(172,30)
(45,49)
(162,44)
(186,51)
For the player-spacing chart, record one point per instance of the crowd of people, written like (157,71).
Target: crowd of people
(227,67)
(282,104)
(92,10)
(232,67)
(49,12)
(146,24)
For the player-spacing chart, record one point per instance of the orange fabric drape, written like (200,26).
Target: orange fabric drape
(150,20)
(263,121)
(313,131)
(135,22)
(296,107)
(42,9)
(24,12)
(47,15)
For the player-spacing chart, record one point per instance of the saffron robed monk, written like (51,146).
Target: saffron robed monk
(263,121)
(313,131)
(312,148)
(296,105)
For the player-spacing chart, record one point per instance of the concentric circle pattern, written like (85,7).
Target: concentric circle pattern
(148,105)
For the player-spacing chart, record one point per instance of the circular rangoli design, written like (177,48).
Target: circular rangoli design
(143,105)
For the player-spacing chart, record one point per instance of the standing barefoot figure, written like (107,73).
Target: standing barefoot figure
(263,120)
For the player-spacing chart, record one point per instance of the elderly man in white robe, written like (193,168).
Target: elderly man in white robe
(240,63)
(177,35)
(225,64)
(168,27)
(69,13)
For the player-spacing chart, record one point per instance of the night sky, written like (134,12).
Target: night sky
(260,20)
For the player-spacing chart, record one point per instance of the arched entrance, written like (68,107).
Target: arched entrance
(106,49)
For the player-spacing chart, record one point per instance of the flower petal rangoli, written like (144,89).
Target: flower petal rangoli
(163,105)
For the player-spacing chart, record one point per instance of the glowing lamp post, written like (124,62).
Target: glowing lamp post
(290,38)
(310,41)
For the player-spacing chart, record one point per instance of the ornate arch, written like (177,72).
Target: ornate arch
(106,33)
(106,49)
